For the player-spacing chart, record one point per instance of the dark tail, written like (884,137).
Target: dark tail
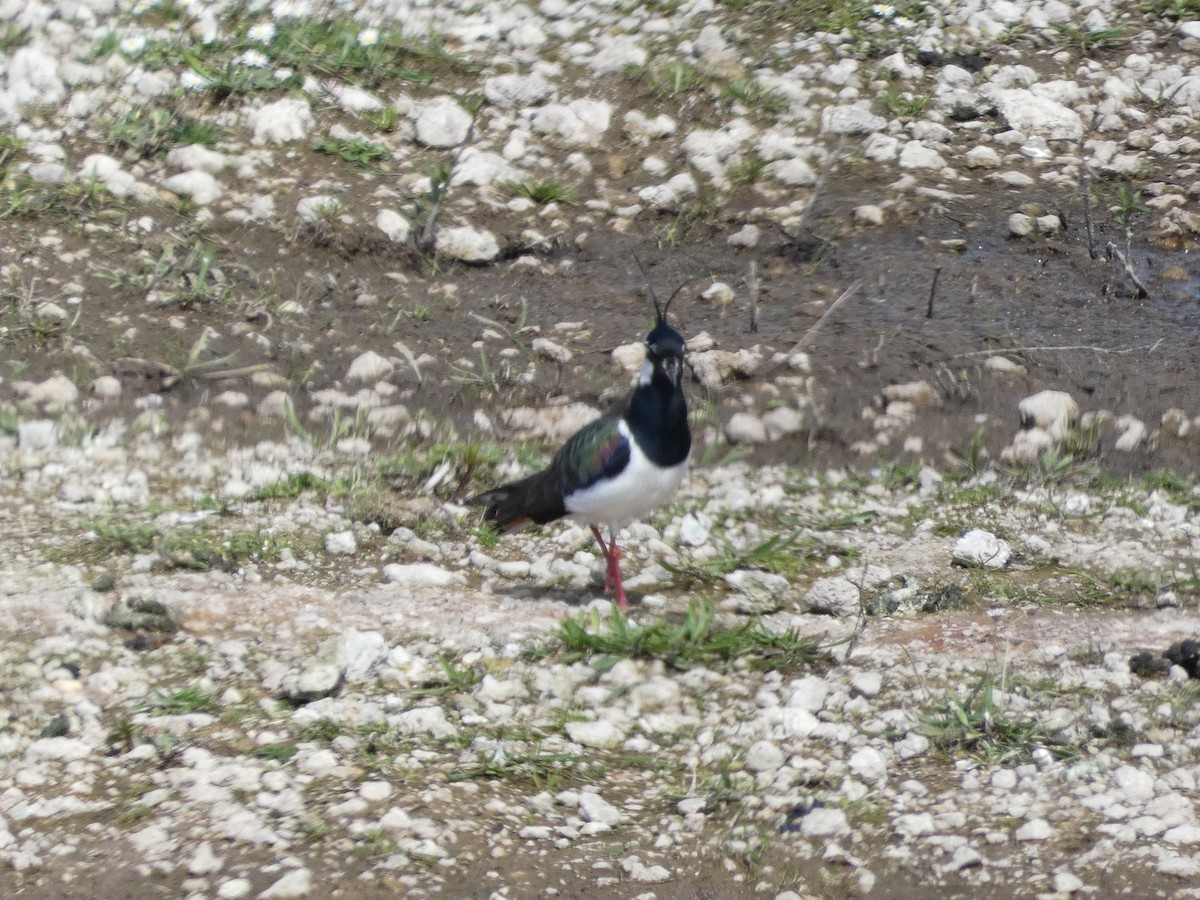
(533,500)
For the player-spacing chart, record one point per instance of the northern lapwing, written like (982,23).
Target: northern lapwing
(617,468)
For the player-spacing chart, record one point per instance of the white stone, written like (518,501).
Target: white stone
(747,236)
(393,224)
(1032,114)
(370,366)
(915,155)
(375,791)
(851,120)
(1133,433)
(467,244)
(234,889)
(516,90)
(441,123)
(981,157)
(867,684)
(197,157)
(825,821)
(764,756)
(578,122)
(420,575)
(282,121)
(341,543)
(603,735)
(745,428)
(1034,830)
(201,187)
(37,435)
(782,421)
(692,532)
(835,596)
(296,883)
(594,808)
(204,861)
(106,387)
(868,214)
(979,548)
(1054,411)
(868,764)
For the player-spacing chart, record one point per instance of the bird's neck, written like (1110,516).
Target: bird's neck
(657,417)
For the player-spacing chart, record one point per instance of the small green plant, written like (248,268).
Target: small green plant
(900,103)
(777,553)
(676,77)
(12,37)
(187,700)
(1127,204)
(697,640)
(974,724)
(756,97)
(385,119)
(544,770)
(748,170)
(542,192)
(359,151)
(1088,41)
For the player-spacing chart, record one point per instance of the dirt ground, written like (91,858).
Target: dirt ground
(1070,320)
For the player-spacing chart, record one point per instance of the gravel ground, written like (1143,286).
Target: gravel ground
(283,283)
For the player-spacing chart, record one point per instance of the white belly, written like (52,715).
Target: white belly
(640,488)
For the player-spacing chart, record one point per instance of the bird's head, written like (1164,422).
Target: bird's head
(664,353)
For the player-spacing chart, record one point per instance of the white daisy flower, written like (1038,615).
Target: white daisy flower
(140,7)
(289,9)
(191,81)
(904,23)
(883,10)
(254,58)
(132,46)
(263,32)
(369,37)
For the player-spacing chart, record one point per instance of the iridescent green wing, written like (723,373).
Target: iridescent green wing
(597,451)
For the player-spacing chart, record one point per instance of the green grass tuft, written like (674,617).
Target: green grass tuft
(697,640)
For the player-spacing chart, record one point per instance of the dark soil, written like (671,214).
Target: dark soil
(1071,320)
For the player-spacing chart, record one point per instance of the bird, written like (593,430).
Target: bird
(616,468)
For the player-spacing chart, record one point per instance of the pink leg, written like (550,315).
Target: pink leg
(607,559)
(612,572)
(614,565)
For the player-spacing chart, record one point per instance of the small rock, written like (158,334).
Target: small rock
(745,428)
(602,735)
(1054,411)
(370,367)
(636,870)
(204,861)
(692,532)
(420,575)
(341,542)
(296,883)
(981,549)
(282,121)
(394,225)
(764,756)
(37,435)
(759,593)
(200,187)
(441,123)
(320,678)
(594,808)
(834,596)
(1034,830)
(467,244)
(866,684)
